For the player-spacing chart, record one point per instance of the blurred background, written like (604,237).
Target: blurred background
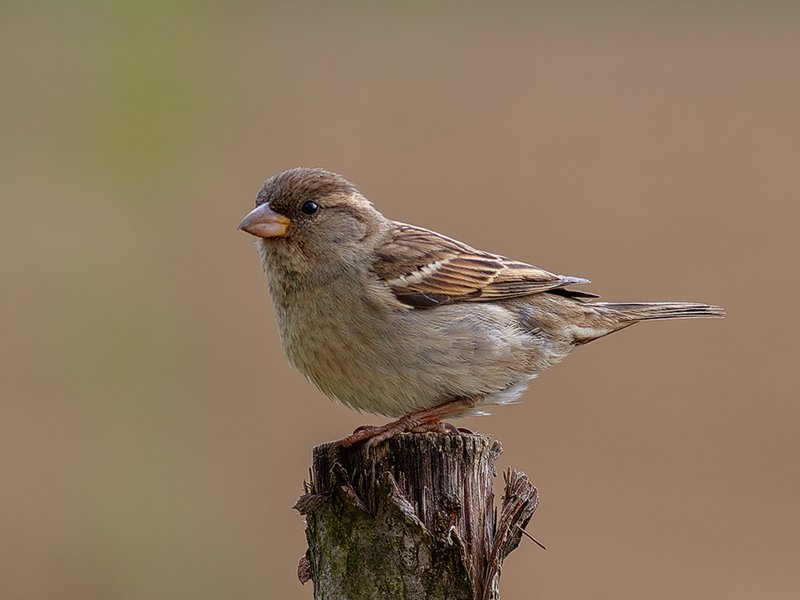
(153,438)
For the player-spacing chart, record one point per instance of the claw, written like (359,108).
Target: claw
(362,433)
(428,420)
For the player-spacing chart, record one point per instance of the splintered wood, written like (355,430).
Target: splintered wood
(413,518)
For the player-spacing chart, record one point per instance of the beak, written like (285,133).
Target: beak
(264,222)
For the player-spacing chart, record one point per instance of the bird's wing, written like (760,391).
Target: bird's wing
(425,269)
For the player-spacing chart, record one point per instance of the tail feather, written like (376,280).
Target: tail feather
(628,312)
(602,318)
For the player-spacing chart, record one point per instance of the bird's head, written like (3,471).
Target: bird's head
(309,219)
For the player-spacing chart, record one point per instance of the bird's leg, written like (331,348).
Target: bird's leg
(428,419)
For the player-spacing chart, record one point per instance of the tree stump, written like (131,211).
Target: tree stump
(411,519)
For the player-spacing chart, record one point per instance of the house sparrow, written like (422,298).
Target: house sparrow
(401,321)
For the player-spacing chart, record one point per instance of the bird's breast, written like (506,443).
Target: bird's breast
(379,359)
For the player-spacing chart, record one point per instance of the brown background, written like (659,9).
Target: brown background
(153,438)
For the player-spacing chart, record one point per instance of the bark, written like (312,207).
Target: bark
(413,518)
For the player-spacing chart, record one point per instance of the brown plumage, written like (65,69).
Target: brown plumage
(398,320)
(426,269)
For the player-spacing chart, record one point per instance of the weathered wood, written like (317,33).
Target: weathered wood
(413,518)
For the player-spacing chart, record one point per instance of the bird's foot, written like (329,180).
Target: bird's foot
(441,427)
(372,435)
(427,420)
(361,433)
(435,427)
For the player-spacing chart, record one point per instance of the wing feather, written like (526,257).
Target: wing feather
(426,269)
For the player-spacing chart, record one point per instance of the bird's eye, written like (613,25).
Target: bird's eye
(309,207)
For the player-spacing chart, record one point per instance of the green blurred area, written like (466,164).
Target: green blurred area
(152,437)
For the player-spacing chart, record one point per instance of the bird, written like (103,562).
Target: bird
(401,321)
